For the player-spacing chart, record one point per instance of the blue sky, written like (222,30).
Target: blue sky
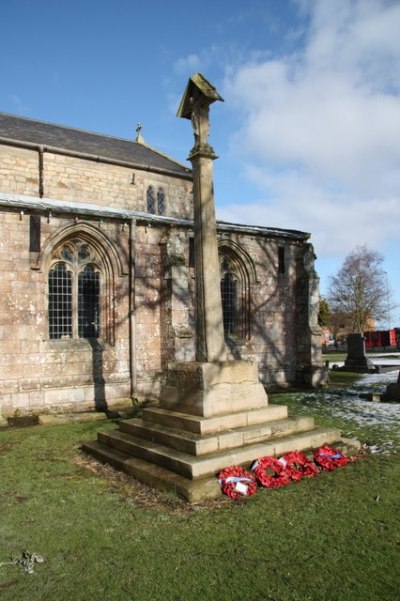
(309,133)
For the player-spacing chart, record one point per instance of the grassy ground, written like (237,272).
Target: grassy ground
(334,357)
(106,537)
(342,378)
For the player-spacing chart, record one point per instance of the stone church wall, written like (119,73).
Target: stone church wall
(277,300)
(38,374)
(149,310)
(90,182)
(19,171)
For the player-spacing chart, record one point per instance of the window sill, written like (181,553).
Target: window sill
(77,343)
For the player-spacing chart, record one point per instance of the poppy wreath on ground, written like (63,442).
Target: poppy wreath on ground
(329,458)
(237,482)
(298,465)
(270,472)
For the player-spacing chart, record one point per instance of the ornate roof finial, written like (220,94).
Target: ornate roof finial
(139,137)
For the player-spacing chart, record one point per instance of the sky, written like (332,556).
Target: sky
(308,135)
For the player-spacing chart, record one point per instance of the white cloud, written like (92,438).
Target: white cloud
(321,127)
(190,63)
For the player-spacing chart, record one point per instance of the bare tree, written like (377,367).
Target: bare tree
(359,288)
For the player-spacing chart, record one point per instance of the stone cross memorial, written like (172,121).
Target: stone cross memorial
(211,385)
(213,412)
(210,330)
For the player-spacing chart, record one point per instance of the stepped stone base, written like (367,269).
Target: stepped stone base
(171,458)
(211,416)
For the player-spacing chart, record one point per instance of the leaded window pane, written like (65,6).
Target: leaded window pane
(160,201)
(229,294)
(88,303)
(60,302)
(151,201)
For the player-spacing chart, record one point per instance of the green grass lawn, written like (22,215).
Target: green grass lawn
(106,537)
(334,357)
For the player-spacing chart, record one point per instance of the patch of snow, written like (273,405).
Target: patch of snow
(346,404)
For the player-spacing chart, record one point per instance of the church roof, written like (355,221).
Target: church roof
(23,130)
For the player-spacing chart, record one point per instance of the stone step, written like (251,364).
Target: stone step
(193,467)
(209,425)
(193,491)
(198,445)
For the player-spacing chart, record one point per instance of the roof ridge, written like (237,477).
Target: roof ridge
(100,137)
(78,129)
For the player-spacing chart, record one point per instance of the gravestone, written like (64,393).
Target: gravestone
(392,392)
(356,360)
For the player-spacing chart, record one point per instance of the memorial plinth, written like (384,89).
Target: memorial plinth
(211,389)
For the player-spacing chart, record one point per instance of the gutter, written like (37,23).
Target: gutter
(35,204)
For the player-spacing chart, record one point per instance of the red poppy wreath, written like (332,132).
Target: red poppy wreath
(270,472)
(236,482)
(298,465)
(329,458)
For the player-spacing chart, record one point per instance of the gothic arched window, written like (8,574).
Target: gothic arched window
(237,272)
(74,291)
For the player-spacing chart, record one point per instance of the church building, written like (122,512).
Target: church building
(98,282)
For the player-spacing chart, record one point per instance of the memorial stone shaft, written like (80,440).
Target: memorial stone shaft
(210,342)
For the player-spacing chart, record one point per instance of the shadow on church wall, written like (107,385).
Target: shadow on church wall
(100,401)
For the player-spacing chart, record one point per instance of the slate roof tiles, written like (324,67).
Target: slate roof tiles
(23,129)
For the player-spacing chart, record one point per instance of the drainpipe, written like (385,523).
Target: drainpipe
(132,314)
(41,172)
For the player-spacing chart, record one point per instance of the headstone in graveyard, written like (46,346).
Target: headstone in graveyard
(356,360)
(392,392)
